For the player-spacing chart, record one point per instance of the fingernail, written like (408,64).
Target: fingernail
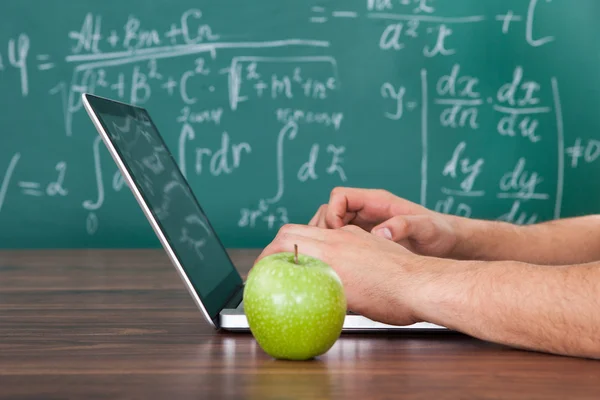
(385,232)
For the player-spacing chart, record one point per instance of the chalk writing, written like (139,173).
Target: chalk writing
(459,96)
(418,19)
(7,177)
(336,161)
(440,45)
(507,20)
(31,188)
(335,167)
(94,205)
(246,81)
(448,206)
(225,160)
(530,25)
(301,108)
(273,217)
(528,16)
(289,131)
(90,38)
(516,217)
(56,187)
(198,117)
(321,15)
(459,164)
(520,183)
(388,91)
(518,101)
(392,35)
(18,53)
(307,171)
(522,111)
(589,152)
(328,119)
(91,223)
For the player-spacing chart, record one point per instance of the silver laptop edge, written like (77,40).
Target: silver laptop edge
(232,318)
(235,320)
(138,196)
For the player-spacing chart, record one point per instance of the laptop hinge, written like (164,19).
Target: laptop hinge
(236,298)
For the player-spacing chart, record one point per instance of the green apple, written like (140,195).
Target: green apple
(295,305)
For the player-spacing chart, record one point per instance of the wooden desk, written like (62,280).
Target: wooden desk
(119,324)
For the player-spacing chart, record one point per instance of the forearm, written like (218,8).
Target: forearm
(560,242)
(549,309)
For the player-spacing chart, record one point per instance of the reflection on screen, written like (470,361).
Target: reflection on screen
(157,175)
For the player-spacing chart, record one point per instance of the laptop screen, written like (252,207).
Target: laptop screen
(171,201)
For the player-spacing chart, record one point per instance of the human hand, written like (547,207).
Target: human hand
(431,235)
(364,208)
(415,227)
(379,276)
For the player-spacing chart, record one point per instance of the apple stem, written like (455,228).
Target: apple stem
(296,253)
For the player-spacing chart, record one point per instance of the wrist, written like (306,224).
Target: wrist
(484,240)
(443,288)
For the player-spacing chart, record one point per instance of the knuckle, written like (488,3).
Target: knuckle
(423,227)
(285,230)
(398,219)
(351,228)
(424,221)
(406,223)
(429,220)
(397,223)
(282,237)
(336,191)
(430,225)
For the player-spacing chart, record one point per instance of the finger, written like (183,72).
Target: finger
(347,219)
(339,210)
(314,221)
(318,219)
(395,229)
(322,223)
(366,207)
(367,235)
(402,227)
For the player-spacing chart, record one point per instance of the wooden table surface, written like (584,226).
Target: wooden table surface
(119,324)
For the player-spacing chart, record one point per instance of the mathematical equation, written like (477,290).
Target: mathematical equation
(206,81)
(406,21)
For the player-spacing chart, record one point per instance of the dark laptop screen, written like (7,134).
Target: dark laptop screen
(171,201)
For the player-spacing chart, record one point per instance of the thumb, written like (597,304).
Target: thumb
(402,227)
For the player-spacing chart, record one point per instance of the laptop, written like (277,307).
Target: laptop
(178,220)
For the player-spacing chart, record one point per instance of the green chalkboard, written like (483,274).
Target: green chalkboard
(487,109)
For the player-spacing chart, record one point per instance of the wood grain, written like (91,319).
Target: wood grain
(119,324)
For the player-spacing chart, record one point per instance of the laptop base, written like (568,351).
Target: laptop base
(234,319)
